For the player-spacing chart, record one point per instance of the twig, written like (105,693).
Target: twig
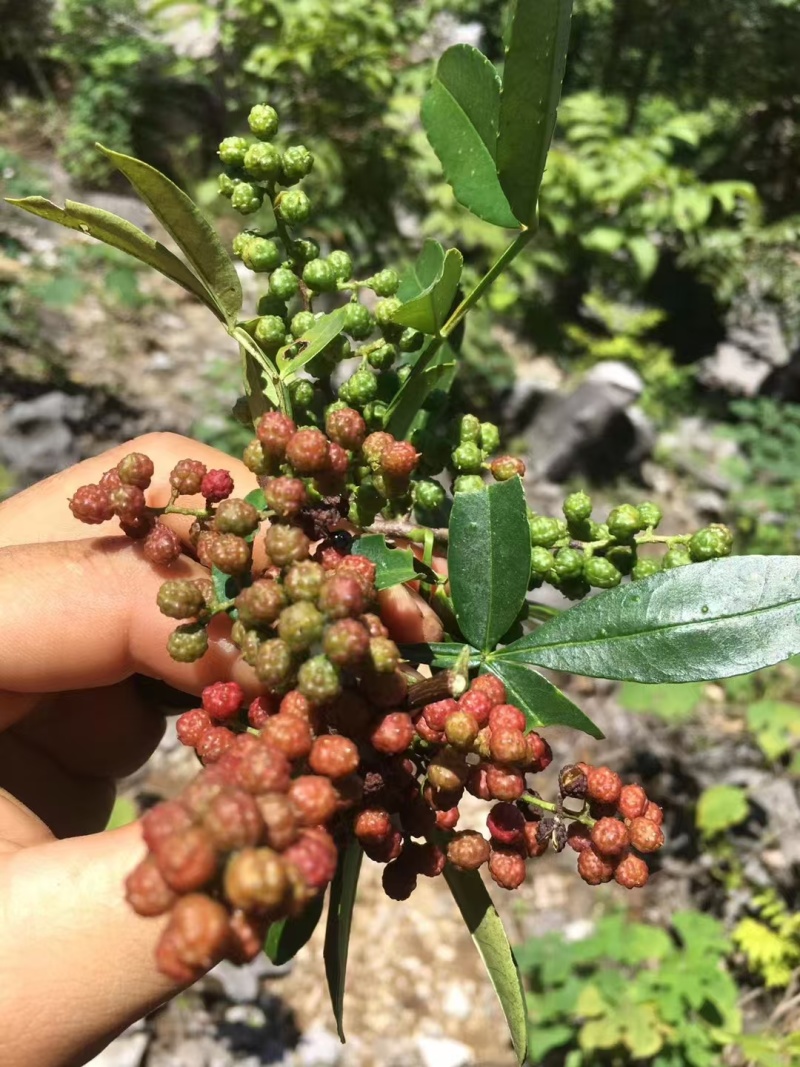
(410,531)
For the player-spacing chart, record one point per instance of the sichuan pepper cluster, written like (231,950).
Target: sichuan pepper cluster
(347,739)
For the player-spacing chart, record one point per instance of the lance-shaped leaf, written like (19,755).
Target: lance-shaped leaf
(491,941)
(310,344)
(460,113)
(489,560)
(440,655)
(337,933)
(542,703)
(189,229)
(271,384)
(120,234)
(287,937)
(429,311)
(536,55)
(692,624)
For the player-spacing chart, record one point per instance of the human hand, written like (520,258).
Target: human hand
(79,623)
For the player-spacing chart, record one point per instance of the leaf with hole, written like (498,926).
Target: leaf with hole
(320,335)
(693,624)
(430,309)
(460,113)
(489,560)
(193,234)
(393,566)
(536,56)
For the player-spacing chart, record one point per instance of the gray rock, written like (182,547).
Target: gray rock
(318,1047)
(566,432)
(694,447)
(444,1052)
(243,984)
(754,348)
(37,436)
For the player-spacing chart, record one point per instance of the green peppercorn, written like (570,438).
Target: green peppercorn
(385,309)
(490,437)
(241,240)
(467,458)
(296,163)
(385,282)
(468,483)
(650,514)
(318,276)
(247,198)
(469,429)
(261,254)
(712,542)
(676,556)
(361,387)
(292,206)
(262,162)
(542,561)
(303,250)
(568,563)
(645,568)
(301,323)
(342,266)
(263,121)
(301,392)
(358,320)
(375,414)
(410,340)
(624,522)
(601,573)
(271,331)
(383,357)
(284,284)
(544,531)
(577,508)
(226,183)
(232,151)
(428,494)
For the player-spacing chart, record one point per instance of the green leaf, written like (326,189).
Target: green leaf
(460,113)
(337,933)
(287,937)
(721,807)
(776,725)
(489,560)
(440,655)
(121,234)
(261,375)
(226,586)
(673,703)
(692,624)
(536,55)
(643,1031)
(423,272)
(191,231)
(426,375)
(393,566)
(542,703)
(257,499)
(123,813)
(429,311)
(543,1039)
(312,343)
(644,254)
(491,941)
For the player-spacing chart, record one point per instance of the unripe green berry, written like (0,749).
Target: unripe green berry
(292,206)
(361,388)
(544,531)
(241,241)
(296,163)
(410,340)
(300,625)
(385,309)
(232,151)
(318,276)
(260,254)
(624,522)
(188,643)
(645,568)
(385,282)
(236,516)
(469,429)
(303,250)
(428,494)
(318,680)
(263,121)
(262,162)
(274,664)
(467,458)
(302,394)
(542,561)
(284,284)
(568,563)
(301,323)
(650,514)
(358,320)
(468,483)
(490,437)
(676,556)
(342,266)
(271,331)
(712,542)
(247,198)
(577,508)
(253,457)
(382,358)
(180,599)
(375,414)
(600,573)
(226,183)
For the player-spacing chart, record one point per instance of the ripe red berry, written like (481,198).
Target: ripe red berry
(195,939)
(654,813)
(128,503)
(308,451)
(603,785)
(504,783)
(334,757)
(341,596)
(373,826)
(289,734)
(294,703)
(187,859)
(491,685)
(313,798)
(631,872)
(632,801)
(363,570)
(433,737)
(506,824)
(468,850)
(280,823)
(447,818)
(233,821)
(507,717)
(247,935)
(214,743)
(386,850)
(437,714)
(610,837)
(264,770)
(505,467)
(285,496)
(191,726)
(161,545)
(222,700)
(507,867)
(274,431)
(393,733)
(593,868)
(315,856)
(508,746)
(478,705)
(346,427)
(91,504)
(579,837)
(646,835)
(146,891)
(216,486)
(399,459)
(260,710)
(186,476)
(162,821)
(536,843)
(540,755)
